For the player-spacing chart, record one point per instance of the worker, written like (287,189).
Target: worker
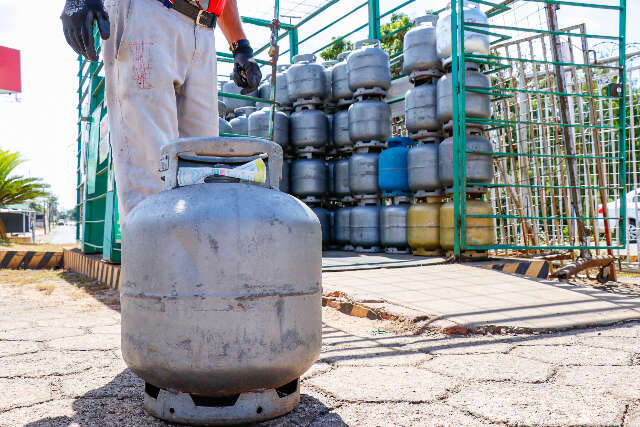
(161,79)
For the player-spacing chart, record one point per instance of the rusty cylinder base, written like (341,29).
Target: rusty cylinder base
(244,408)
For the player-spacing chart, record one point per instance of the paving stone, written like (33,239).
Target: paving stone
(573,355)
(375,384)
(315,369)
(14,348)
(39,334)
(86,342)
(405,414)
(633,416)
(629,344)
(621,381)
(109,381)
(471,345)
(105,318)
(7,324)
(370,354)
(109,412)
(53,363)
(490,367)
(538,404)
(19,392)
(313,406)
(112,329)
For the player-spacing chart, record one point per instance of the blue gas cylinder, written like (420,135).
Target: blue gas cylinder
(393,178)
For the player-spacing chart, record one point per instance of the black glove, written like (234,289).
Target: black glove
(246,72)
(77,22)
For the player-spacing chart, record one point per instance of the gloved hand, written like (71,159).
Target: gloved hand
(246,72)
(77,22)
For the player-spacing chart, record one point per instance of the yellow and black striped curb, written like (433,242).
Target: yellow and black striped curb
(537,269)
(30,260)
(91,267)
(350,308)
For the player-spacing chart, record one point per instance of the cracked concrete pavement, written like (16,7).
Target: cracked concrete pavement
(60,365)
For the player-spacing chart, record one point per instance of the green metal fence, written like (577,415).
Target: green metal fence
(551,155)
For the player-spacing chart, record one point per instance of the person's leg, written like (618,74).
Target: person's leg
(144,63)
(198,97)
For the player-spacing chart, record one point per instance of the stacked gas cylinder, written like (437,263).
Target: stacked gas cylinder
(308,92)
(369,123)
(429,119)
(252,118)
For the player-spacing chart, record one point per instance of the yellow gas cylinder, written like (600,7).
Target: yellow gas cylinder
(423,226)
(479,230)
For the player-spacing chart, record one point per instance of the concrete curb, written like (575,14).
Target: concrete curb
(19,260)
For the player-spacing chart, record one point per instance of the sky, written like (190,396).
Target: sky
(42,123)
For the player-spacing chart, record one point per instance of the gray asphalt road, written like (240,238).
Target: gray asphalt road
(61,235)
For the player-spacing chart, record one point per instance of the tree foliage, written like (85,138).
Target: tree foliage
(16,188)
(331,53)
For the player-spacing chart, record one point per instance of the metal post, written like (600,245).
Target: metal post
(293,43)
(622,120)
(552,22)
(374,19)
(455,81)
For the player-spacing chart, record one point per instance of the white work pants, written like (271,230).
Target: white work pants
(160,70)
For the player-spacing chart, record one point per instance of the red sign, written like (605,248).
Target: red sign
(9,70)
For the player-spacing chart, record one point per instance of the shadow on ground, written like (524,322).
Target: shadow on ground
(119,403)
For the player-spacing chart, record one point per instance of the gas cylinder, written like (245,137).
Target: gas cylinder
(392,166)
(474,42)
(363,173)
(309,128)
(419,46)
(309,178)
(364,226)
(368,68)
(393,228)
(422,165)
(259,125)
(342,228)
(369,120)
(479,231)
(240,124)
(224,126)
(328,66)
(325,223)
(420,109)
(423,229)
(341,138)
(306,79)
(222,109)
(282,92)
(340,90)
(233,103)
(285,181)
(218,330)
(341,178)
(479,165)
(477,105)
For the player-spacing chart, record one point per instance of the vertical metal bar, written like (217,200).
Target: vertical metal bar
(455,66)
(274,51)
(622,120)
(552,21)
(374,19)
(293,43)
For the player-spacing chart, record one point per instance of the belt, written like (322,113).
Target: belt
(199,16)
